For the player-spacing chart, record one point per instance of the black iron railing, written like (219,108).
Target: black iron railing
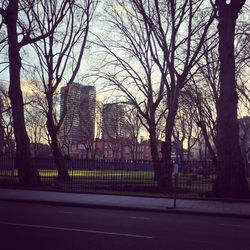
(194,179)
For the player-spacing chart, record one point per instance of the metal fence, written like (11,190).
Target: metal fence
(194,179)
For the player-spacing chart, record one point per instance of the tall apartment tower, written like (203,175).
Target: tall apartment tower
(113,121)
(79,123)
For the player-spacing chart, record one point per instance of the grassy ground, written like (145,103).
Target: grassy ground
(82,179)
(147,175)
(134,181)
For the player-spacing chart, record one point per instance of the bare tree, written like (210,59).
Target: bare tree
(36,126)
(177,29)
(20,19)
(3,46)
(60,56)
(132,124)
(231,180)
(186,125)
(203,91)
(132,127)
(128,67)
(203,116)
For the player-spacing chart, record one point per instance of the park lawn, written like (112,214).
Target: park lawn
(107,175)
(100,174)
(88,173)
(8,173)
(199,185)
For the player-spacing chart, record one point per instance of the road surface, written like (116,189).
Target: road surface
(25,226)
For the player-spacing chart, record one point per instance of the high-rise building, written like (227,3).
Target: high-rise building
(79,123)
(113,121)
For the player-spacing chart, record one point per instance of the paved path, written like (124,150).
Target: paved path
(239,209)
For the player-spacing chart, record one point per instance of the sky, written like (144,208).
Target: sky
(90,59)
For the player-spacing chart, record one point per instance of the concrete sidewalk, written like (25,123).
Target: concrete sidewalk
(221,208)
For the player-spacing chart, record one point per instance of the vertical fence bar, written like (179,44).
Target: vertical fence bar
(196,178)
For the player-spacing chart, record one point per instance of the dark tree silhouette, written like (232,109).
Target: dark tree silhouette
(231,180)
(60,55)
(179,28)
(20,18)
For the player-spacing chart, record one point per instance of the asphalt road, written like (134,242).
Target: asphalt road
(27,226)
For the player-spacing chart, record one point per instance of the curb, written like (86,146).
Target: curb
(168,210)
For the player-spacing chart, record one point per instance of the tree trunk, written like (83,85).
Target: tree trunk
(154,153)
(27,173)
(63,174)
(231,180)
(166,163)
(166,166)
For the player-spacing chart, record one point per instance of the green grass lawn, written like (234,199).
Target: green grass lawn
(102,174)
(91,174)
(186,182)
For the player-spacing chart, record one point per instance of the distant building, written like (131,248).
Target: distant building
(120,149)
(79,123)
(113,118)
